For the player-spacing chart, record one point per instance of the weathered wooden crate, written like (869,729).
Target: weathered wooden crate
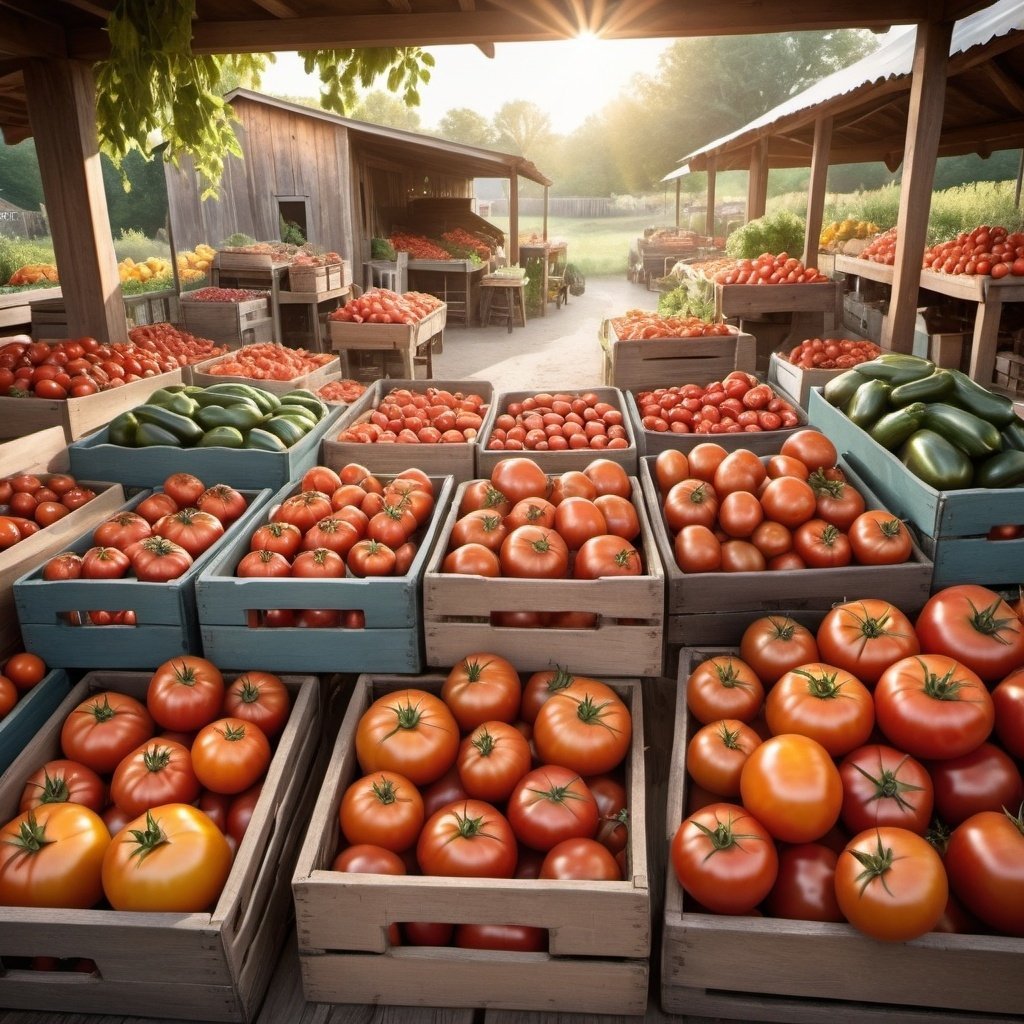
(390,641)
(600,935)
(229,323)
(457,460)
(557,461)
(167,620)
(746,300)
(804,972)
(78,416)
(199,375)
(205,966)
(30,714)
(953,525)
(798,380)
(311,280)
(94,457)
(237,262)
(700,605)
(386,337)
(457,612)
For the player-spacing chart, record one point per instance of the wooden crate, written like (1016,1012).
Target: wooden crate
(96,458)
(167,619)
(386,337)
(205,966)
(696,601)
(240,262)
(30,714)
(953,525)
(229,323)
(630,612)
(599,931)
(747,301)
(457,460)
(557,462)
(391,640)
(200,376)
(311,280)
(78,416)
(771,969)
(797,380)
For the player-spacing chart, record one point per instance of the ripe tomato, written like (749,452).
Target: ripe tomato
(304,509)
(469,839)
(158,560)
(607,555)
(184,488)
(585,727)
(608,477)
(519,477)
(320,478)
(577,519)
(224,502)
(878,537)
(382,808)
(173,858)
(482,494)
(884,786)
(984,779)
(812,448)
(581,859)
(804,889)
(491,761)
(472,559)
(60,782)
(740,470)
(1008,698)
(283,538)
(791,785)
(866,637)
(260,698)
(481,526)
(724,858)
(620,515)
(185,694)
(318,563)
(740,514)
(690,502)
(263,563)
(366,858)
(103,728)
(190,528)
(723,687)
(542,685)
(156,506)
(670,466)
(774,644)
(976,626)
(549,804)
(890,884)
(230,754)
(121,530)
(371,558)
(411,732)
(241,811)
(716,754)
(104,564)
(932,706)
(518,938)
(157,772)
(789,501)
(482,688)
(53,856)
(65,566)
(821,545)
(25,670)
(532,552)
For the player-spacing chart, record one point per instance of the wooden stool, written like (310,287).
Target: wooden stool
(512,291)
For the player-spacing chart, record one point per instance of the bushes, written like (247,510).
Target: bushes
(777,232)
(136,246)
(17,252)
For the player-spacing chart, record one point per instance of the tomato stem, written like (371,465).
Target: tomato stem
(728,675)
(876,865)
(722,836)
(149,838)
(987,623)
(31,837)
(889,786)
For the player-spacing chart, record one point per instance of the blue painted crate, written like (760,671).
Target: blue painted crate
(167,621)
(94,458)
(30,713)
(391,641)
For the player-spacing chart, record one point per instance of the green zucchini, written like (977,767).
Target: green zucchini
(973,435)
(299,412)
(289,430)
(933,388)
(869,404)
(244,415)
(896,368)
(895,427)
(222,437)
(970,395)
(203,398)
(264,440)
(121,429)
(150,434)
(839,390)
(931,458)
(264,399)
(1004,469)
(183,427)
(1013,434)
(307,399)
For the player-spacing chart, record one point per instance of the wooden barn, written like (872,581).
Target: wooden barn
(341,181)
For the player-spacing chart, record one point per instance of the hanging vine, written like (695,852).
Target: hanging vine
(154,90)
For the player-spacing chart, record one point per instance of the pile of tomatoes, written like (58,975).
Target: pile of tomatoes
(268,361)
(558,422)
(32,502)
(212,294)
(733,512)
(167,340)
(739,403)
(338,524)
(19,674)
(151,797)
(832,353)
(770,269)
(522,524)
(431,416)
(868,773)
(642,325)
(340,392)
(490,778)
(881,249)
(985,251)
(383,306)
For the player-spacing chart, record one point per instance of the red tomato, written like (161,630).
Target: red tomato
(263,563)
(789,501)
(282,538)
(822,545)
(224,502)
(804,889)
(383,809)
(158,560)
(983,779)
(533,552)
(549,804)
(519,938)
(61,781)
(260,698)
(104,728)
(482,688)
(104,564)
(366,858)
(581,859)
(716,754)
(185,694)
(607,555)
(878,537)
(812,448)
(866,637)
(884,786)
(157,772)
(774,644)
(121,530)
(519,477)
(724,687)
(491,761)
(25,670)
(586,727)
(184,488)
(155,507)
(193,530)
(696,549)
(230,754)
(691,502)
(1008,698)
(469,839)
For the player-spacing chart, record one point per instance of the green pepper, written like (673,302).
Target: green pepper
(264,440)
(289,430)
(150,434)
(970,395)
(896,368)
(839,390)
(931,458)
(307,399)
(973,435)
(869,404)
(933,388)
(1004,469)
(121,429)
(183,427)
(895,427)
(222,437)
(244,415)
(1013,434)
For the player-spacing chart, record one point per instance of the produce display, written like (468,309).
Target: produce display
(18,675)
(839,231)
(864,773)
(34,273)
(29,502)
(194,264)
(558,422)
(419,247)
(948,430)
(831,353)
(268,361)
(433,416)
(985,251)
(279,252)
(212,294)
(733,512)
(309,259)
(166,338)
(227,415)
(738,404)
(770,269)
(151,267)
(340,392)
(106,824)
(383,306)
(459,240)
(881,249)
(641,324)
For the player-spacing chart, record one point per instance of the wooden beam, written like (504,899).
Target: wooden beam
(1006,86)
(25,36)
(927,99)
(757,182)
(709,213)
(487,49)
(400,5)
(277,8)
(816,189)
(513,219)
(90,7)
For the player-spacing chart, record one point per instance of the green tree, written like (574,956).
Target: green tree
(521,127)
(20,183)
(462,124)
(379,107)
(143,207)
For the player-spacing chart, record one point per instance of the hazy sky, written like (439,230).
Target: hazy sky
(568,80)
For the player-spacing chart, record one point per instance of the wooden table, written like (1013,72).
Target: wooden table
(316,307)
(515,298)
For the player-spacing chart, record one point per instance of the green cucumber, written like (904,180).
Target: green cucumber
(931,458)
(933,388)
(299,412)
(869,404)
(1013,434)
(896,368)
(222,437)
(184,428)
(289,430)
(973,435)
(1004,469)
(264,399)
(243,415)
(970,395)
(839,390)
(150,434)
(264,440)
(307,399)
(895,427)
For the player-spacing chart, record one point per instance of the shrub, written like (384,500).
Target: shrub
(17,252)
(135,245)
(776,232)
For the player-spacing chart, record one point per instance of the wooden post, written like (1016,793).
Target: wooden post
(513,219)
(62,111)
(546,190)
(927,97)
(709,216)
(757,182)
(816,190)
(678,191)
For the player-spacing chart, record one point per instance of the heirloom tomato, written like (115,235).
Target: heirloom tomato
(549,804)
(884,786)
(866,637)
(383,809)
(157,772)
(103,728)
(469,839)
(260,698)
(185,694)
(230,754)
(224,502)
(61,781)
(724,687)
(482,688)
(585,727)
(491,760)
(774,644)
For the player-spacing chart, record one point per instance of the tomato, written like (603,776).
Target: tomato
(481,494)
(822,545)
(518,938)
(241,811)
(61,781)
(304,509)
(48,512)
(260,698)
(225,503)
(157,772)
(976,626)
(670,466)
(866,637)
(540,686)
(774,644)
(879,538)
(230,754)
(804,889)
(724,858)
(519,477)
(104,728)
(723,687)
(786,465)
(156,506)
(371,558)
(606,555)
(608,477)
(193,530)
(577,519)
(740,470)
(620,515)
(790,784)
(491,761)
(884,786)
(77,497)
(411,732)
(691,502)
(263,563)
(158,560)
(184,488)
(173,858)
(932,706)
(549,804)
(812,448)
(282,538)
(585,727)
(382,808)
(320,478)
(25,670)
(890,884)
(53,857)
(697,549)
(983,779)
(472,559)
(318,563)
(984,859)
(1008,698)
(581,859)
(836,501)
(824,702)
(481,526)
(185,694)
(789,501)
(469,839)
(8,697)
(104,564)
(532,552)
(482,688)
(716,754)
(365,858)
